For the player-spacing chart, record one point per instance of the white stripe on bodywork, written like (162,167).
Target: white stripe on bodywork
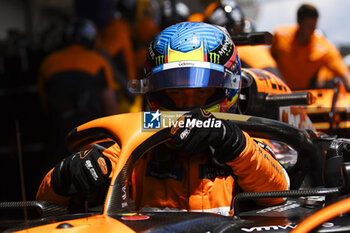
(225,211)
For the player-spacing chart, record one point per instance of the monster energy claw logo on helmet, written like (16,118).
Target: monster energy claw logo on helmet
(214,58)
(159,60)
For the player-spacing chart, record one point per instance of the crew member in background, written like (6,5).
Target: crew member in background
(301,53)
(117,46)
(76,85)
(229,15)
(202,168)
(169,12)
(117,42)
(146,29)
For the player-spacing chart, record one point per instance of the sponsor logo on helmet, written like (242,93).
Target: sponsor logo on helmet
(214,58)
(187,64)
(226,47)
(150,51)
(159,60)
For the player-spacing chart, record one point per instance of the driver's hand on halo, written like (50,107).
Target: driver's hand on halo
(85,172)
(199,130)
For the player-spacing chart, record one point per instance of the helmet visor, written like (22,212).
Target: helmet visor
(187,74)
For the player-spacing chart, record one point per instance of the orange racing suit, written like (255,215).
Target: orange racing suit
(194,183)
(75,58)
(75,62)
(115,39)
(300,64)
(76,85)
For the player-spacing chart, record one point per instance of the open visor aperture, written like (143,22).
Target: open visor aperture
(187,74)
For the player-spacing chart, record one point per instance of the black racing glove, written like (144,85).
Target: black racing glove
(199,130)
(85,173)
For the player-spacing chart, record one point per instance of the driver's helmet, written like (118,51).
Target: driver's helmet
(82,32)
(226,13)
(192,55)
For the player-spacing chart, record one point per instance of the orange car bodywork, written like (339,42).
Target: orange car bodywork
(265,84)
(129,139)
(98,223)
(331,109)
(328,109)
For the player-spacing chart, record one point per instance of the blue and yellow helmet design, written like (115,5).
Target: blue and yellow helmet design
(192,55)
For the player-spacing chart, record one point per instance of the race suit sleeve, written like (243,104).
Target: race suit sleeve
(334,61)
(274,46)
(47,193)
(258,171)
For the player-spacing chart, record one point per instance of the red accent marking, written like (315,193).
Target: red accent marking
(223,106)
(232,58)
(135,217)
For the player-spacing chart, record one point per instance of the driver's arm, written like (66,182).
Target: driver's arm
(258,171)
(86,172)
(334,62)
